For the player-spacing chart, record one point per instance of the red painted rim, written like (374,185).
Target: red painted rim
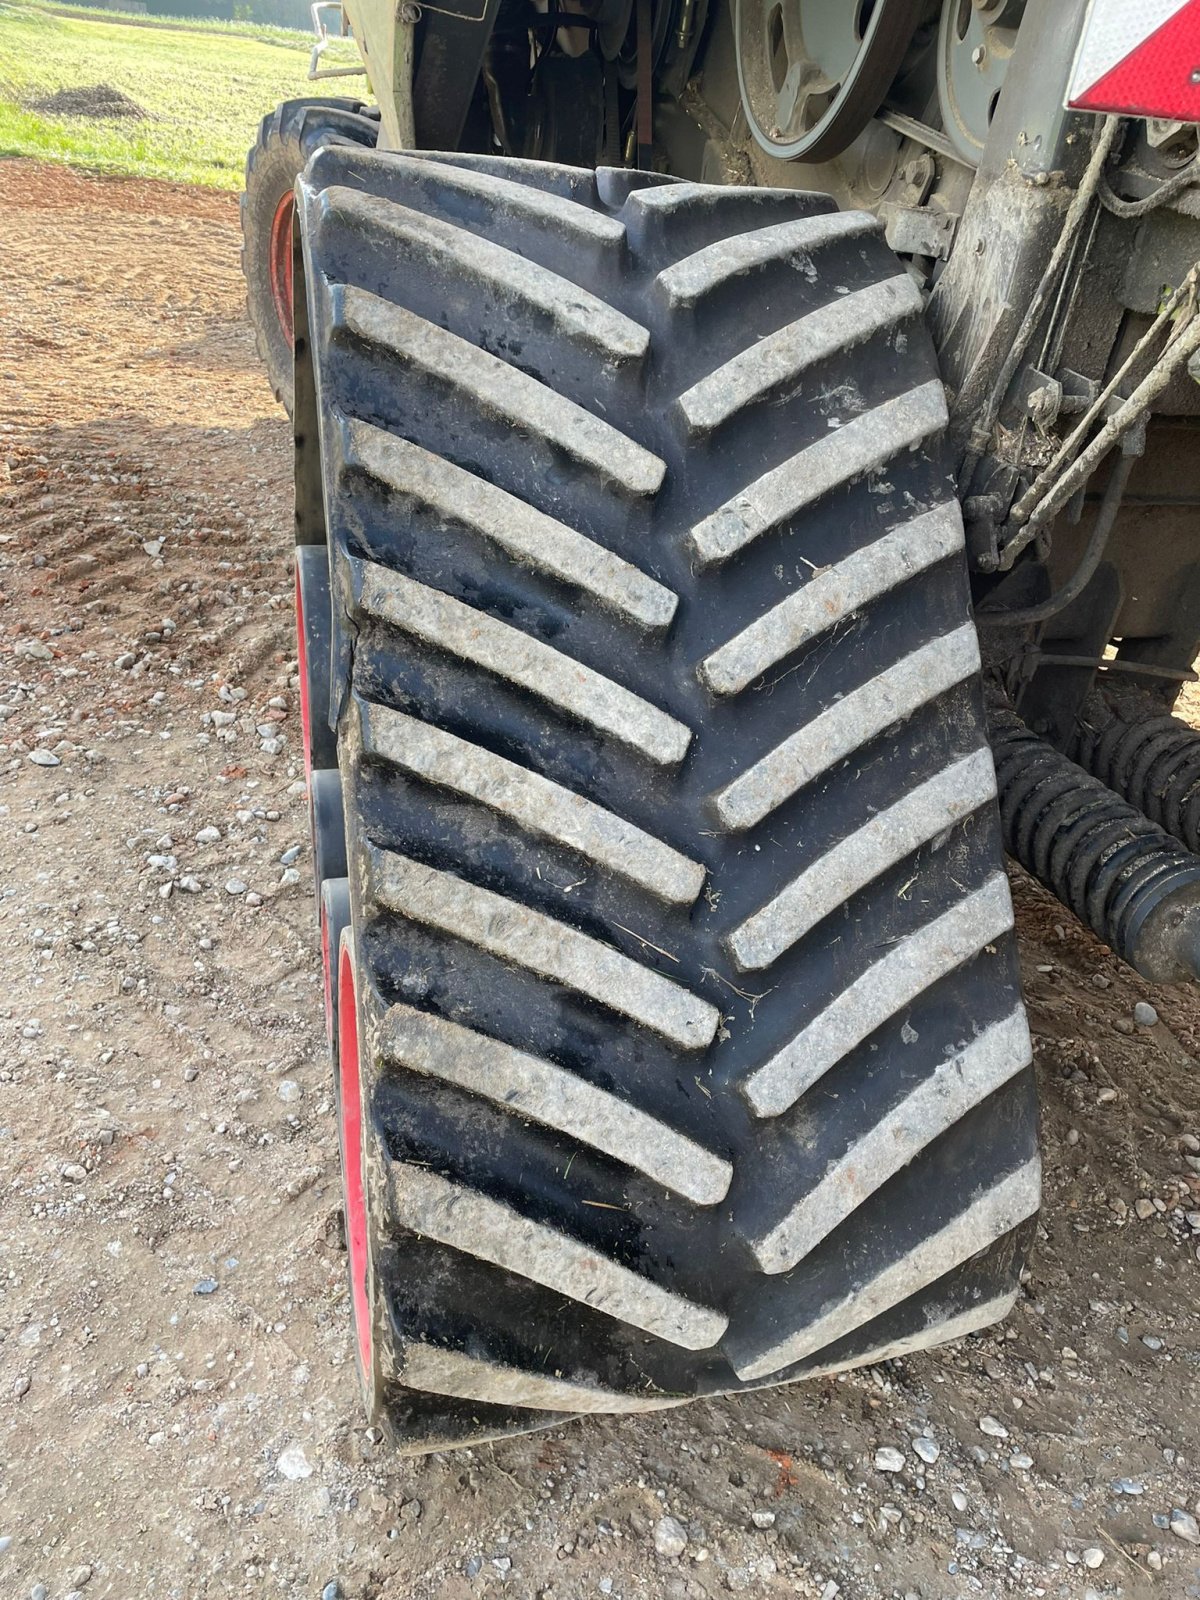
(279,264)
(302,667)
(350,1115)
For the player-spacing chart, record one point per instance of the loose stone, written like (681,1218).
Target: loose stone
(294,1464)
(669,1537)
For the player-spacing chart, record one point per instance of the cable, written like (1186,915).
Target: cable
(1183,180)
(981,430)
(1124,418)
(1066,451)
(1024,616)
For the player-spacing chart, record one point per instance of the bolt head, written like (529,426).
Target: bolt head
(979,55)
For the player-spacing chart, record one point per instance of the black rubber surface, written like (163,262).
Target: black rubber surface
(450,1294)
(312,581)
(328,825)
(333,914)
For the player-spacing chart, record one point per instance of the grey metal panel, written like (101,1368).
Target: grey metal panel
(385,42)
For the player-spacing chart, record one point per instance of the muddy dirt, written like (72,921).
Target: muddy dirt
(178,1409)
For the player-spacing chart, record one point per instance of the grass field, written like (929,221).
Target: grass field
(203,88)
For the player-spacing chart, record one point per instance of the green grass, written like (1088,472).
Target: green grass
(203,85)
(143,19)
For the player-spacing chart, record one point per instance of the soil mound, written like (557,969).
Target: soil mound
(96,100)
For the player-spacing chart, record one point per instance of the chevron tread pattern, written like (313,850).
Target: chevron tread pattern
(690,1006)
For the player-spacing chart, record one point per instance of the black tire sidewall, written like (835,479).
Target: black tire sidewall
(285,141)
(271,174)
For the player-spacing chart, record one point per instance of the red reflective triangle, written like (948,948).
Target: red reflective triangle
(1161,78)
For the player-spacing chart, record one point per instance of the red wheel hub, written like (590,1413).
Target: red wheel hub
(350,1115)
(279,264)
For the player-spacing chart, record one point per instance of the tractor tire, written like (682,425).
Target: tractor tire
(682,1048)
(286,139)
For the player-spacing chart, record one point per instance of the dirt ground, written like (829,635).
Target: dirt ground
(178,1408)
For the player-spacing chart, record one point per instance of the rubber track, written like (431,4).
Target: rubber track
(696,1041)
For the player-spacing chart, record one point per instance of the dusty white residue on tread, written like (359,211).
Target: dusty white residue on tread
(436,1370)
(832,595)
(530,536)
(929,1109)
(848,866)
(535,803)
(892,982)
(988,1217)
(890,697)
(466,1220)
(468,259)
(538,209)
(777,360)
(472,635)
(530,939)
(689,196)
(697,275)
(498,390)
(941,1331)
(532,1087)
(844,454)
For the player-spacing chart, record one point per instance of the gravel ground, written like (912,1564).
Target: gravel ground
(177,1396)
